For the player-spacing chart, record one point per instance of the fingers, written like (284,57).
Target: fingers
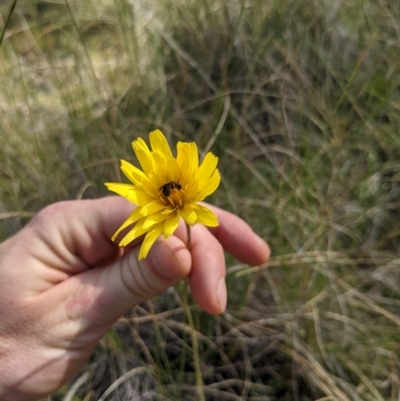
(207,278)
(237,237)
(84,228)
(98,297)
(79,232)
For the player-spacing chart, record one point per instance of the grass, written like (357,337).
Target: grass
(300,101)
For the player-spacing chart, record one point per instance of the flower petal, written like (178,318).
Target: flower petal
(173,172)
(189,215)
(152,207)
(210,186)
(206,216)
(136,232)
(187,159)
(151,184)
(143,154)
(154,219)
(170,225)
(187,155)
(129,192)
(149,240)
(158,157)
(119,188)
(165,171)
(133,217)
(207,167)
(159,144)
(168,210)
(131,172)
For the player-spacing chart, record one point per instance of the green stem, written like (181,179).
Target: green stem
(195,345)
(188,237)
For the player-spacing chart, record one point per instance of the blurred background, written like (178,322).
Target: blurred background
(300,101)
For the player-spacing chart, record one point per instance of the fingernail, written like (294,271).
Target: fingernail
(169,261)
(221,293)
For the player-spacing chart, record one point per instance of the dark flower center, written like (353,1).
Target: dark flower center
(170,194)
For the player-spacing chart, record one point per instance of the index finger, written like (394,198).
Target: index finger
(238,238)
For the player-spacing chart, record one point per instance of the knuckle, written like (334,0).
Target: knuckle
(48,213)
(134,279)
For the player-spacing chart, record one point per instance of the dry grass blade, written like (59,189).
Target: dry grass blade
(120,380)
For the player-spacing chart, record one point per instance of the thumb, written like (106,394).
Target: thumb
(101,295)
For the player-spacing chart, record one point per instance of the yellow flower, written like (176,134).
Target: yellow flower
(166,190)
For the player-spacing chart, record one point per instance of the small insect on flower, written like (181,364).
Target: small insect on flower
(166,189)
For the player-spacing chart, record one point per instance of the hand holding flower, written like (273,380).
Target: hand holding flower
(63,283)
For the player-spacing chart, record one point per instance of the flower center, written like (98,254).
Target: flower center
(170,194)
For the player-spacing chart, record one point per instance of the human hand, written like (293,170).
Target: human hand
(63,283)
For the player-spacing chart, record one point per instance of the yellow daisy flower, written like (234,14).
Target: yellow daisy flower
(166,190)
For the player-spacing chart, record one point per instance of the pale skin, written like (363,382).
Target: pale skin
(64,283)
